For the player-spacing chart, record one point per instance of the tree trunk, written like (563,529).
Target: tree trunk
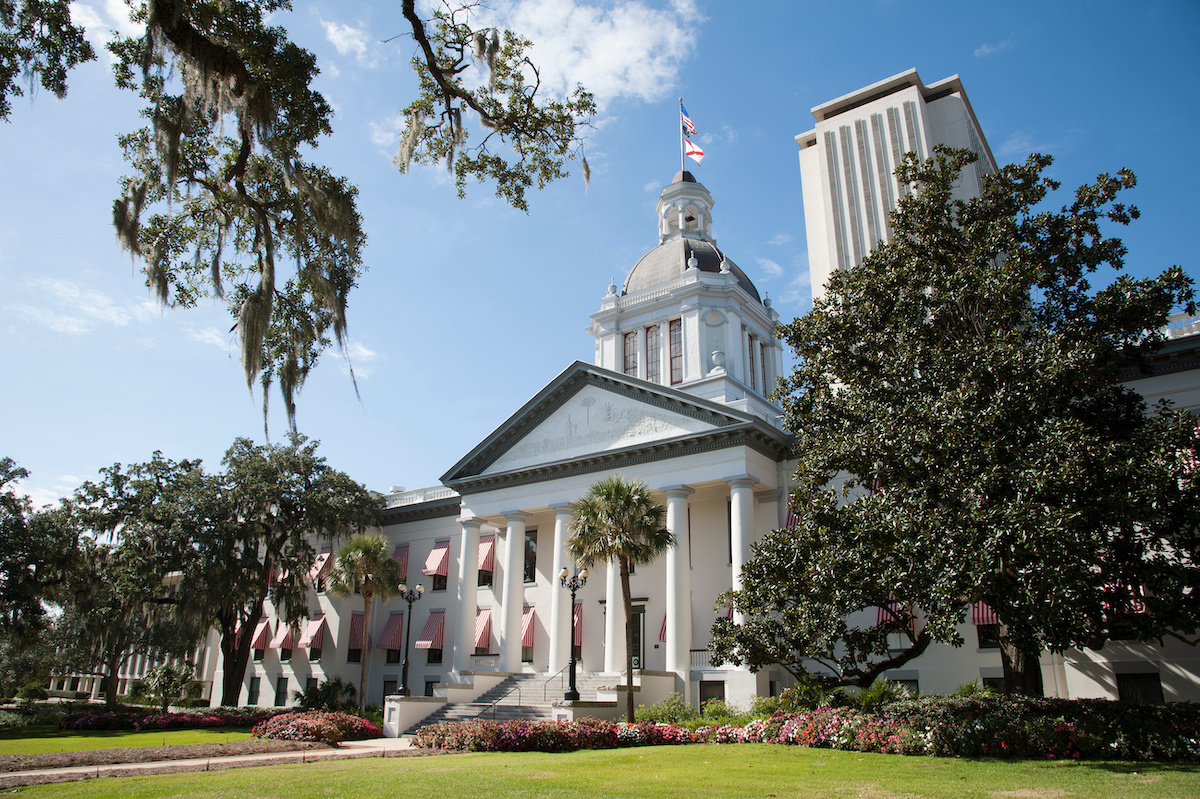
(366,651)
(236,656)
(110,682)
(627,600)
(1022,670)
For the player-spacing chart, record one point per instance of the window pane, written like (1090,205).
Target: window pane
(531,556)
(675,332)
(653,352)
(631,354)
(751,372)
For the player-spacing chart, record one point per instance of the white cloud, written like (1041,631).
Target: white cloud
(358,357)
(622,49)
(71,309)
(386,134)
(769,267)
(102,21)
(349,40)
(209,335)
(1006,46)
(780,238)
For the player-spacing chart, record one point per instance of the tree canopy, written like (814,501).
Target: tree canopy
(224,199)
(618,520)
(964,436)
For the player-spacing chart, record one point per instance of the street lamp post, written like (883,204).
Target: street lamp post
(410,596)
(572,583)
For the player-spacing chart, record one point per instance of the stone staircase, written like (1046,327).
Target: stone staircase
(520,696)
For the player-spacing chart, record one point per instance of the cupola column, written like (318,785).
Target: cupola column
(641,352)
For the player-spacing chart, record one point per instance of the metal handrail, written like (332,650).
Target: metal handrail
(507,694)
(546,684)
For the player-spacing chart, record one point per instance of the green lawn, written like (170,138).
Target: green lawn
(749,770)
(48,738)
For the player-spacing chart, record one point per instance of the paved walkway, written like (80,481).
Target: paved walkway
(376,747)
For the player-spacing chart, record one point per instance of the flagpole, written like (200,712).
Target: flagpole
(679,124)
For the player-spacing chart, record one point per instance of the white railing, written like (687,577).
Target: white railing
(417,496)
(1180,325)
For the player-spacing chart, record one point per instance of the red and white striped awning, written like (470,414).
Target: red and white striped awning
(314,633)
(438,561)
(889,613)
(982,613)
(322,564)
(285,637)
(662,634)
(527,614)
(401,557)
(356,631)
(431,633)
(487,552)
(392,636)
(483,629)
(262,634)
(577,622)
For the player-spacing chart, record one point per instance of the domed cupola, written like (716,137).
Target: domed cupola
(684,234)
(688,317)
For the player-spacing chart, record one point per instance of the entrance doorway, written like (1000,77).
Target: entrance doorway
(638,628)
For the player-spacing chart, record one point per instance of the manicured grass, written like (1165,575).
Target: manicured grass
(747,770)
(48,738)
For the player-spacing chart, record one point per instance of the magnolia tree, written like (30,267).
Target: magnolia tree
(964,435)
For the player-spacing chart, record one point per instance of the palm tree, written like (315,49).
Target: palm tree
(365,563)
(619,520)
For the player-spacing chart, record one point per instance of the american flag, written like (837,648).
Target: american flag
(688,127)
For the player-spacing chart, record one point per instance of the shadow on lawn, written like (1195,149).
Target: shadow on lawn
(1141,767)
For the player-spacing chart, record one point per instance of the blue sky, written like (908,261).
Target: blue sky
(468,307)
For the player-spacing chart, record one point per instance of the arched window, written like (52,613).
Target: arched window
(675,334)
(653,354)
(631,354)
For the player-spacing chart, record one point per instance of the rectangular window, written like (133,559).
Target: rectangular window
(439,582)
(389,687)
(393,656)
(988,635)
(531,556)
(526,654)
(285,655)
(762,361)
(258,655)
(310,684)
(710,690)
(675,335)
(913,686)
(485,579)
(653,352)
(751,371)
(354,656)
(252,694)
(281,691)
(429,686)
(1144,687)
(433,656)
(996,684)
(314,655)
(630,365)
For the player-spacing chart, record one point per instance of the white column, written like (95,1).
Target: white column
(679,593)
(614,621)
(664,351)
(513,595)
(560,623)
(741,494)
(641,352)
(466,596)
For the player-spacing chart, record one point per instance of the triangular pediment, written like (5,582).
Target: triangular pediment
(587,412)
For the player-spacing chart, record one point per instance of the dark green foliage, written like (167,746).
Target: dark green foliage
(328,695)
(671,710)
(963,436)
(38,44)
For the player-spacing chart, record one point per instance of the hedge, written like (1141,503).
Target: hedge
(331,727)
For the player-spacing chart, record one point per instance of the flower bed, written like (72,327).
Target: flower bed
(545,736)
(316,725)
(135,720)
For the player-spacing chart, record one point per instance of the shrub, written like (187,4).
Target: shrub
(671,710)
(32,691)
(331,727)
(130,719)
(545,736)
(333,695)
